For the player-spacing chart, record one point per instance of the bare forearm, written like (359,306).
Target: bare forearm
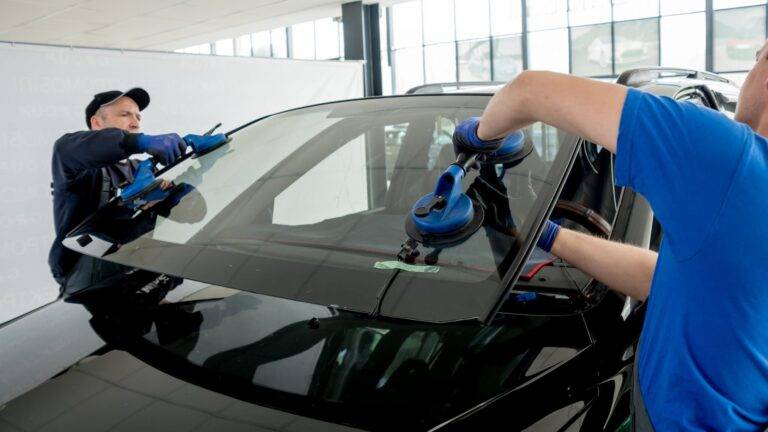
(624,268)
(588,108)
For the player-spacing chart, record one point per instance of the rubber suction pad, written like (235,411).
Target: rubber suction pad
(139,194)
(446,232)
(513,149)
(210,149)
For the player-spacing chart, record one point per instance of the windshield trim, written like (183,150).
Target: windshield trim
(529,244)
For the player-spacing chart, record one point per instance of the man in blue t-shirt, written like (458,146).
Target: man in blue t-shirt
(703,357)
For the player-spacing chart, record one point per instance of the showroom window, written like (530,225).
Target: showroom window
(493,40)
(243,46)
(592,50)
(224,47)
(445,41)
(321,39)
(739,33)
(317,40)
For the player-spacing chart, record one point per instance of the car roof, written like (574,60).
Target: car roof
(667,81)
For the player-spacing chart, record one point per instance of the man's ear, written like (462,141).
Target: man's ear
(96,123)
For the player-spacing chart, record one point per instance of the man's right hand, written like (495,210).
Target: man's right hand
(465,138)
(164,148)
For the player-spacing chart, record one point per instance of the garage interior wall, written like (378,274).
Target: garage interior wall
(44,92)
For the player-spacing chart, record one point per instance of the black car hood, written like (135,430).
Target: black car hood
(228,359)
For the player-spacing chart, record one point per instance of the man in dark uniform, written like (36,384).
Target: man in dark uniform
(88,166)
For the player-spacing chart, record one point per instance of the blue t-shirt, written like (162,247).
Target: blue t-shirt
(703,358)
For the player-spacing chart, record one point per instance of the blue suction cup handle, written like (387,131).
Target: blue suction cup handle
(445,210)
(142,179)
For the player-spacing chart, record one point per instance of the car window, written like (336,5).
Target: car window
(308,204)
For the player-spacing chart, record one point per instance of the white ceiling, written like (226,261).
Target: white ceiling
(148,24)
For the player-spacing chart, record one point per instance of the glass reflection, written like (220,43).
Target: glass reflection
(739,34)
(507,57)
(636,44)
(591,50)
(474,60)
(312,359)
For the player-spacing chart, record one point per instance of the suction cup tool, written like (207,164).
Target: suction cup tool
(144,182)
(513,149)
(204,152)
(446,216)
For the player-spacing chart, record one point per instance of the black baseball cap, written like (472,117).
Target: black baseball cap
(139,95)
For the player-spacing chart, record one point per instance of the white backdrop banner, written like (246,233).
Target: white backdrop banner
(43,94)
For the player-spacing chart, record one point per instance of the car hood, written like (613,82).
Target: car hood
(221,359)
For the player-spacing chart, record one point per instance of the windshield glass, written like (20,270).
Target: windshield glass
(311,204)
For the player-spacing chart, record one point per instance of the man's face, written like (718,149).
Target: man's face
(753,96)
(122,114)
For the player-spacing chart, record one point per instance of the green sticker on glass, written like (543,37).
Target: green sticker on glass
(391,265)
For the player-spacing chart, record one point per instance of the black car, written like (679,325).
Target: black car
(283,293)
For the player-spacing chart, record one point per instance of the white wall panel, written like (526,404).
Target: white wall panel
(43,93)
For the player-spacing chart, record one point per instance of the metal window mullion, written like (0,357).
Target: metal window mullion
(490,41)
(658,36)
(570,45)
(709,54)
(423,48)
(524,39)
(314,39)
(455,44)
(390,56)
(613,43)
(659,33)
(288,41)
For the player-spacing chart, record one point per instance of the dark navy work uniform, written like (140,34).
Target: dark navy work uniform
(703,356)
(79,165)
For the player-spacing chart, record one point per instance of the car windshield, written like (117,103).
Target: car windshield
(311,204)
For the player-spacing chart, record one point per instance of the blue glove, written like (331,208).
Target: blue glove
(202,143)
(164,148)
(465,138)
(548,236)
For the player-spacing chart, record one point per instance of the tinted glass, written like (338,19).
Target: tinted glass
(739,34)
(327,37)
(260,44)
(724,4)
(589,12)
(311,203)
(303,40)
(506,17)
(438,21)
(507,57)
(225,47)
(548,50)
(547,14)
(591,50)
(636,44)
(669,7)
(406,24)
(473,19)
(243,45)
(409,68)
(279,42)
(440,63)
(475,60)
(683,41)
(633,9)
